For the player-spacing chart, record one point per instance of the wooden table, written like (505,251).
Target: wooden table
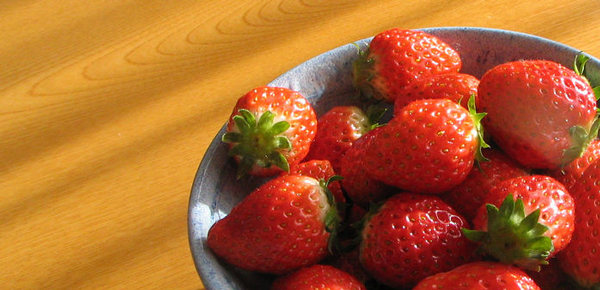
(107,107)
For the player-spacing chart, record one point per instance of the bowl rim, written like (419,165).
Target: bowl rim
(194,235)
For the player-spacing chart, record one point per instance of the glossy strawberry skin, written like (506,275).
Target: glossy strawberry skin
(396,57)
(277,228)
(412,236)
(428,147)
(569,174)
(480,275)
(320,170)
(531,106)
(557,209)
(581,258)
(286,105)
(337,129)
(317,277)
(458,87)
(470,195)
(362,189)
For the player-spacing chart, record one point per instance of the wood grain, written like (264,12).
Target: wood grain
(107,107)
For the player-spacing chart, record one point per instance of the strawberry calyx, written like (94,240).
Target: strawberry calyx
(513,237)
(375,114)
(579,63)
(477,117)
(579,68)
(332,216)
(580,136)
(258,142)
(359,225)
(581,140)
(363,73)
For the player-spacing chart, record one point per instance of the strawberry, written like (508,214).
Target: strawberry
(318,277)
(480,275)
(528,231)
(581,258)
(397,57)
(349,262)
(320,170)
(458,87)
(269,129)
(569,174)
(428,147)
(336,130)
(412,236)
(539,112)
(359,186)
(469,195)
(551,277)
(285,224)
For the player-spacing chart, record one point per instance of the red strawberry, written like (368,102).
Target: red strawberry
(569,174)
(349,262)
(413,236)
(360,187)
(469,196)
(397,57)
(551,277)
(539,112)
(320,170)
(581,258)
(336,130)
(283,225)
(458,87)
(269,129)
(528,231)
(318,277)
(481,275)
(428,147)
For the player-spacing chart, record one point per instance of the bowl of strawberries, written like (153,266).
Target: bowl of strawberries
(415,159)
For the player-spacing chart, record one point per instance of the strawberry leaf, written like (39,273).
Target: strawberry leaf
(375,114)
(579,63)
(581,139)
(530,222)
(280,127)
(281,142)
(231,137)
(362,73)
(265,121)
(243,122)
(332,216)
(474,235)
(518,215)
(477,117)
(579,68)
(277,159)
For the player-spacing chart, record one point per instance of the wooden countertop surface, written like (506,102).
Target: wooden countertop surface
(107,107)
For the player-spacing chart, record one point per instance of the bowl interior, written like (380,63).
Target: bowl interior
(326,81)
